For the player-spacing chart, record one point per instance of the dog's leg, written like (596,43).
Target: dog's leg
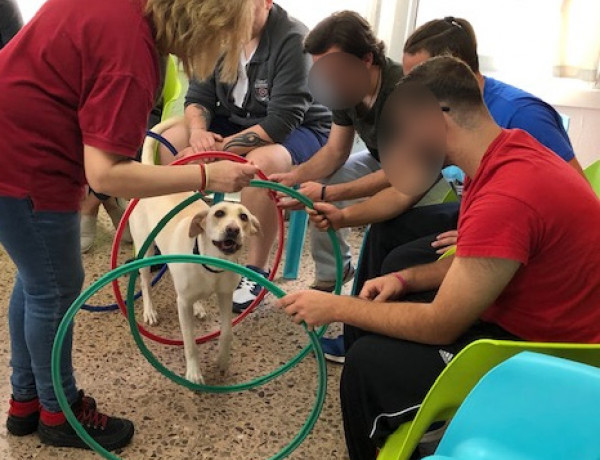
(150,314)
(185,310)
(226,337)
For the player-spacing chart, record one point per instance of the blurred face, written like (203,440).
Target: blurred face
(412,139)
(410,61)
(261,14)
(339,80)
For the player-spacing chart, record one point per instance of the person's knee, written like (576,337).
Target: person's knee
(178,136)
(271,159)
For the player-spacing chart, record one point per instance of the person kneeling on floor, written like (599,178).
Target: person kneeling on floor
(523,268)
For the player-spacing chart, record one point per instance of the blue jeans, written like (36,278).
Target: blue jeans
(45,248)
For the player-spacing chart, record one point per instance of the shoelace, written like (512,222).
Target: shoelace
(247,283)
(92,418)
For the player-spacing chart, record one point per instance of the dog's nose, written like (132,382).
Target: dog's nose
(232,231)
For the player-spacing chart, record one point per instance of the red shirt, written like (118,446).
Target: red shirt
(81,72)
(528,205)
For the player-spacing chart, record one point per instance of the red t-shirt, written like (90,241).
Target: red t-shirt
(81,72)
(528,205)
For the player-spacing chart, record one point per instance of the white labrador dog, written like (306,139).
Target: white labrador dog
(219,231)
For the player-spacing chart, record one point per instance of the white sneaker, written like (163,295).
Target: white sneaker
(247,291)
(88,232)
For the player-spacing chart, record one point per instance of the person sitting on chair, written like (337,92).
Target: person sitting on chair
(523,267)
(399,237)
(268,116)
(354,76)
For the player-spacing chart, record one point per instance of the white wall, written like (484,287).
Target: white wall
(584,132)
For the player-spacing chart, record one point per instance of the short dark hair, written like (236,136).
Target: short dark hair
(350,32)
(452,83)
(454,36)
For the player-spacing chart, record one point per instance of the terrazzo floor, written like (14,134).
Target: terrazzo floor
(171,421)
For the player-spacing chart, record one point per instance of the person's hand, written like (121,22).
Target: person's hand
(315,308)
(312,190)
(289,179)
(188,152)
(382,289)
(326,216)
(202,140)
(229,176)
(444,241)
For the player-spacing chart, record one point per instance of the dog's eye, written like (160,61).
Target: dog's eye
(220,213)
(244,217)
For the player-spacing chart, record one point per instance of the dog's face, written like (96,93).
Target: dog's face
(226,226)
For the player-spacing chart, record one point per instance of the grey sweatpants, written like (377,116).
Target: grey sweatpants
(358,165)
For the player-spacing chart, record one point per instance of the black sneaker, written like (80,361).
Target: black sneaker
(110,432)
(247,291)
(23,416)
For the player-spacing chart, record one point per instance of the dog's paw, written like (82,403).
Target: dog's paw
(199,311)
(151,317)
(222,362)
(194,375)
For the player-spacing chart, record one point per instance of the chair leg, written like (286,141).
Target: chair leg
(360,258)
(295,244)
(218,197)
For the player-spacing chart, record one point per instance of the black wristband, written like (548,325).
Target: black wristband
(323,190)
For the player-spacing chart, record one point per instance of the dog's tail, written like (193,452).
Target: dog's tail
(150,147)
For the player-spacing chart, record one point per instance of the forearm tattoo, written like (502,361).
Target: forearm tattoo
(204,113)
(246,140)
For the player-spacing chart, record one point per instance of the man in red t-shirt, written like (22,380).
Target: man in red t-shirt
(76,88)
(526,265)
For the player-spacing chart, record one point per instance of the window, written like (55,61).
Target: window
(29,8)
(311,12)
(528,40)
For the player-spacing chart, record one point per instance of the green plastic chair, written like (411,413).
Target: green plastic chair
(459,378)
(171,89)
(170,94)
(592,173)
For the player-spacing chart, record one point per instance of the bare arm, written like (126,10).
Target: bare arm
(471,286)
(247,140)
(118,176)
(366,186)
(382,206)
(323,163)
(197,117)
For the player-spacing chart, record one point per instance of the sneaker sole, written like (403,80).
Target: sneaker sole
(54,439)
(21,427)
(334,358)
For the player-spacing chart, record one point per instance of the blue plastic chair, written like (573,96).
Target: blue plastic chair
(295,244)
(530,407)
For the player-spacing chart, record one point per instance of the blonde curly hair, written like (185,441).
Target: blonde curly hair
(200,32)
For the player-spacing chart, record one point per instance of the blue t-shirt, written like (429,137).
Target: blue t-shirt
(514,108)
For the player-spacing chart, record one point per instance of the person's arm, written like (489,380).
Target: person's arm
(325,162)
(245,141)
(289,97)
(115,175)
(384,205)
(366,186)
(200,103)
(420,278)
(471,286)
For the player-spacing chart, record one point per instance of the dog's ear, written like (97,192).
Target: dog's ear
(197,224)
(254,225)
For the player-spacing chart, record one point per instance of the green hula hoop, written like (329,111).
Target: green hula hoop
(132,268)
(270,186)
